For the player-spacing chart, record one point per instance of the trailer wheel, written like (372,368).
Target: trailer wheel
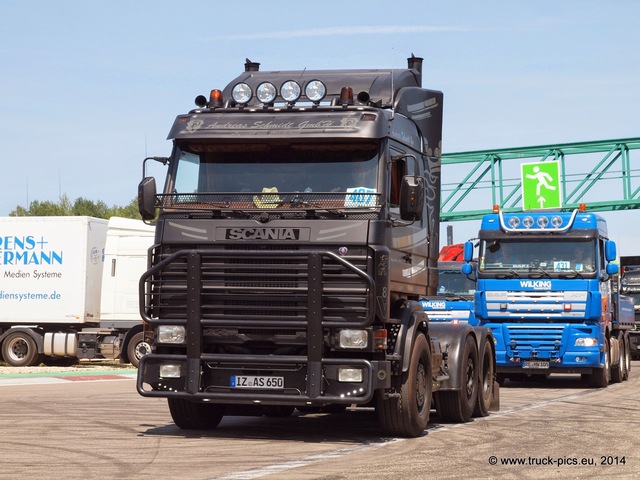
(408,414)
(625,356)
(458,405)
(485,391)
(600,377)
(137,348)
(195,415)
(20,350)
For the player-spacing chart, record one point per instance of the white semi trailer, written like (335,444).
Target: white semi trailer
(69,289)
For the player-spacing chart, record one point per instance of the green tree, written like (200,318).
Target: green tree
(81,206)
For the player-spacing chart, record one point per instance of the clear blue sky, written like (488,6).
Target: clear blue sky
(90,87)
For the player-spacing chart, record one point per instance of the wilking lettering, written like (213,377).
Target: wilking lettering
(536,284)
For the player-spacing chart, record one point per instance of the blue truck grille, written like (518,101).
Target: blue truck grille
(522,340)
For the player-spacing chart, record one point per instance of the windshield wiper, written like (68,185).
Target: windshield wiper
(570,274)
(510,273)
(455,297)
(538,273)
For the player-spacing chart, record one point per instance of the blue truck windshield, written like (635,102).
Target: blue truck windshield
(553,258)
(454,282)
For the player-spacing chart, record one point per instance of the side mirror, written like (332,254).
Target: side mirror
(147,198)
(610,250)
(467,254)
(411,197)
(467,269)
(612,268)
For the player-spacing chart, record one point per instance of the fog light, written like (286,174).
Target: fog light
(353,375)
(171,334)
(353,339)
(170,370)
(581,359)
(586,342)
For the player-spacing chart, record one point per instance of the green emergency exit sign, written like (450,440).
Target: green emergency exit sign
(540,185)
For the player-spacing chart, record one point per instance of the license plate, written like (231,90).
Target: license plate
(535,364)
(256,381)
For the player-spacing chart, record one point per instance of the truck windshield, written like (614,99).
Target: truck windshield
(454,282)
(556,258)
(243,168)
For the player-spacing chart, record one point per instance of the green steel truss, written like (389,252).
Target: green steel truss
(603,174)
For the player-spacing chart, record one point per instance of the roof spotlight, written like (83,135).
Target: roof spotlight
(315,91)
(266,92)
(290,91)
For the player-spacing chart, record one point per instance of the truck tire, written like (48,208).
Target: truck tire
(195,415)
(137,348)
(625,356)
(486,370)
(600,377)
(408,414)
(20,350)
(616,370)
(458,405)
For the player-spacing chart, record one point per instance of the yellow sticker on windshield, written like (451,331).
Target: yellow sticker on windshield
(267,201)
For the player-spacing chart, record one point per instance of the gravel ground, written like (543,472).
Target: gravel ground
(81,367)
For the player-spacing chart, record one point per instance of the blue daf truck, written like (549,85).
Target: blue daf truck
(547,288)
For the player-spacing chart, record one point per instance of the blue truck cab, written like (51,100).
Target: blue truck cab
(455,296)
(546,286)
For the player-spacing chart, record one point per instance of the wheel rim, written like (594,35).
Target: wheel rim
(18,349)
(142,349)
(421,386)
(470,377)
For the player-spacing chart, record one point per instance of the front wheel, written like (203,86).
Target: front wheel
(408,414)
(19,349)
(195,415)
(137,348)
(601,376)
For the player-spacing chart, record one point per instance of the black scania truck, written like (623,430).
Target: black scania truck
(296,231)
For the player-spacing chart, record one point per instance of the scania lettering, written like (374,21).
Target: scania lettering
(547,287)
(295,234)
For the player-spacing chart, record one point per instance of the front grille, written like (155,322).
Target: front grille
(534,337)
(258,287)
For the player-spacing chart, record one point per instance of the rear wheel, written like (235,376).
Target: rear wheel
(19,349)
(408,414)
(485,391)
(195,415)
(458,405)
(625,357)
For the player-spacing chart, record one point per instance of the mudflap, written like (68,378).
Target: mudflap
(495,400)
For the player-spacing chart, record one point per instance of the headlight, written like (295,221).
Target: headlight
(586,342)
(171,334)
(354,339)
(351,375)
(169,370)
(241,93)
(266,92)
(290,91)
(315,90)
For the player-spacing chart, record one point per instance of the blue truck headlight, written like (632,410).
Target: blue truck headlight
(586,342)
(353,339)
(171,334)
